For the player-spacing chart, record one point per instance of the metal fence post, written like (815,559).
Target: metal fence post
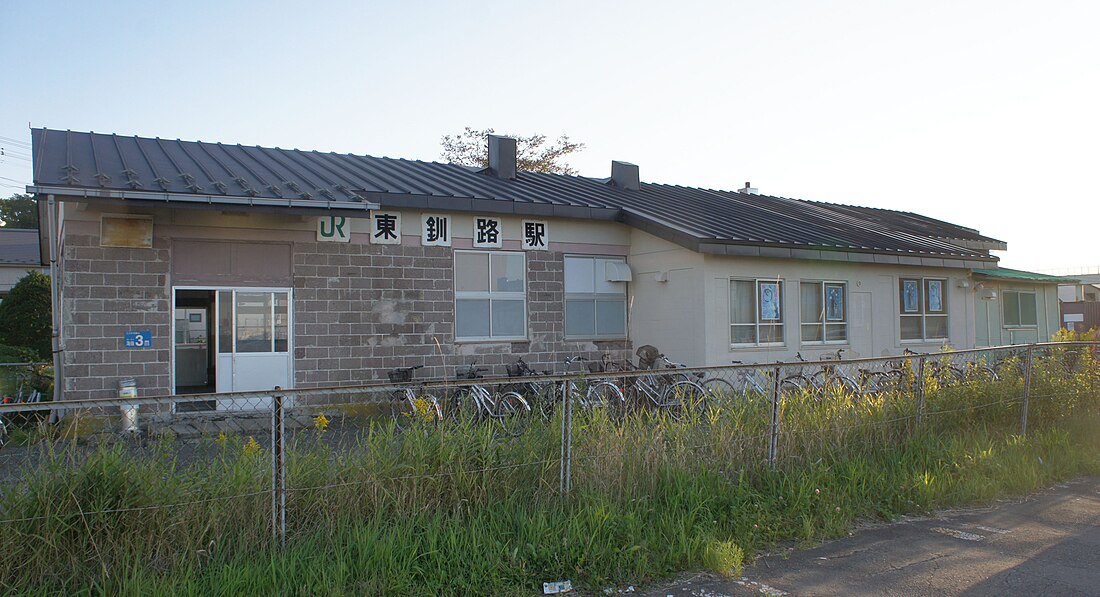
(773,441)
(1027,388)
(566,438)
(278,469)
(920,391)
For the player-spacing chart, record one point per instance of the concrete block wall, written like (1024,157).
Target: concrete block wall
(107,292)
(363,309)
(359,310)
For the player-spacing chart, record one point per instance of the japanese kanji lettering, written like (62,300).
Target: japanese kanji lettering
(534,236)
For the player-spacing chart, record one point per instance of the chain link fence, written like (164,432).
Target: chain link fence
(253,467)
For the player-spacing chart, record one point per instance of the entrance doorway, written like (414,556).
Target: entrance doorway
(195,366)
(231,340)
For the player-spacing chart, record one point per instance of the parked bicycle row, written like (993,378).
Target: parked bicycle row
(529,394)
(657,384)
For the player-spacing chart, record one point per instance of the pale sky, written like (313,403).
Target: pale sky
(984,114)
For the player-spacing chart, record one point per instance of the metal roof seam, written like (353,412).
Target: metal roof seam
(352,179)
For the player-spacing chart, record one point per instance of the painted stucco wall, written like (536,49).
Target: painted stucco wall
(989,320)
(873,319)
(667,314)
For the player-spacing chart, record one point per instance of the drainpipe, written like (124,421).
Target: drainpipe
(56,342)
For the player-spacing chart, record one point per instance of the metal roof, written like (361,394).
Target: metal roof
(90,164)
(1003,273)
(19,246)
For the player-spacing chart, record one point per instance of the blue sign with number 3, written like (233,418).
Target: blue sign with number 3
(142,339)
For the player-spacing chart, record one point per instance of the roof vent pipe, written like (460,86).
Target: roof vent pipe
(749,189)
(502,156)
(625,175)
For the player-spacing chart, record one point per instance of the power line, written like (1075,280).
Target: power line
(15,141)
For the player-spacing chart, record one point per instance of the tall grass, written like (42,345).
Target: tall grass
(464,509)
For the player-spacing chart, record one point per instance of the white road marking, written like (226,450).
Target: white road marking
(992,529)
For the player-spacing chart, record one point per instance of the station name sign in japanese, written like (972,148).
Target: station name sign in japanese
(438,230)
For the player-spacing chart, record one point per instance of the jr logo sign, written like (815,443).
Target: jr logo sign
(333,229)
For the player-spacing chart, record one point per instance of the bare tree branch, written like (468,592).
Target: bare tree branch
(470,148)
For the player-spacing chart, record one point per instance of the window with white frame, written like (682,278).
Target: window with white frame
(1020,309)
(490,297)
(756,312)
(824,307)
(923,308)
(595,305)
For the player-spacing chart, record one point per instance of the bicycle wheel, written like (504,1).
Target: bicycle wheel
(605,394)
(547,396)
(719,391)
(463,405)
(513,412)
(683,397)
(795,384)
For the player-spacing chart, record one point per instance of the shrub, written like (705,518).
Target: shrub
(724,557)
(25,315)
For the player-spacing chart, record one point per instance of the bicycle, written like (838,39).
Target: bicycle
(541,395)
(9,423)
(832,377)
(663,391)
(595,394)
(408,403)
(475,402)
(748,387)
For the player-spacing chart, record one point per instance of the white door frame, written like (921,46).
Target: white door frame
(216,344)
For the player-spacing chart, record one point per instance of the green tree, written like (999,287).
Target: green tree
(19,211)
(25,314)
(470,148)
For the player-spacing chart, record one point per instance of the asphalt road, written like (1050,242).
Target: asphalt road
(1045,544)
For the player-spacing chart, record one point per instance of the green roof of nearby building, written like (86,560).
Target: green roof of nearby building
(1003,273)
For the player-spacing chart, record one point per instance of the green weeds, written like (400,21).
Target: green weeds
(462,509)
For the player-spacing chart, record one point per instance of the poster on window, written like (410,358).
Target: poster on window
(935,296)
(834,303)
(769,301)
(909,295)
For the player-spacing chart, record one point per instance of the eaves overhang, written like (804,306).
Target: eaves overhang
(817,253)
(78,193)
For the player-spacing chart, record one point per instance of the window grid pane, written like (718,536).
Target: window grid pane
(506,318)
(1029,311)
(742,302)
(835,332)
(610,318)
(1011,306)
(922,304)
(594,307)
(490,299)
(471,272)
(254,325)
(472,318)
(935,327)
